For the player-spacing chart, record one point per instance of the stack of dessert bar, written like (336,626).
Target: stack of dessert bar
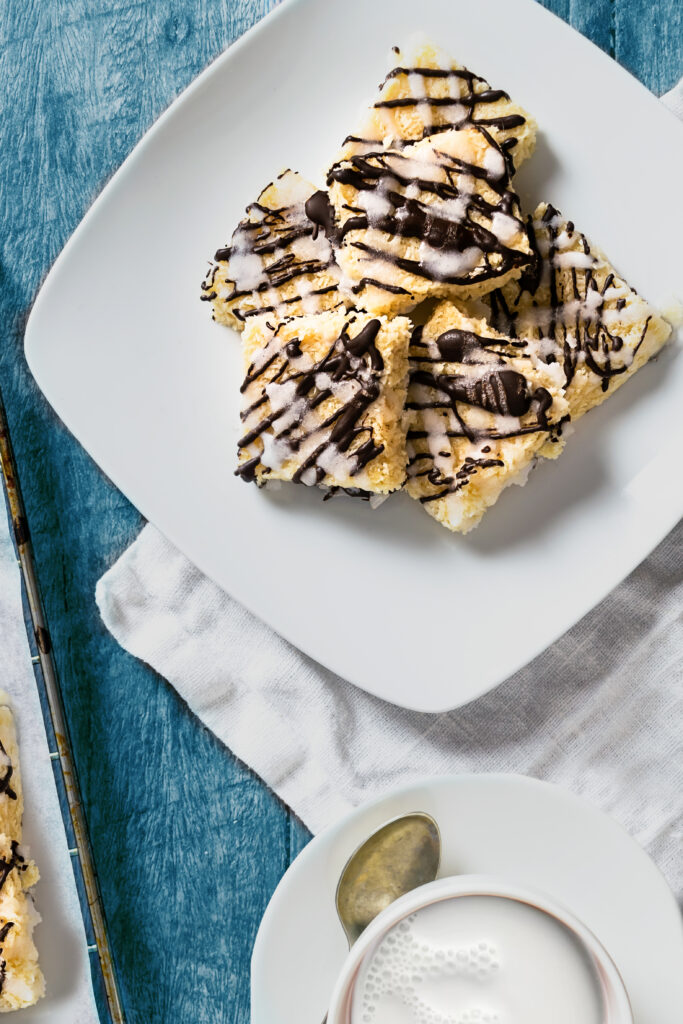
(409,326)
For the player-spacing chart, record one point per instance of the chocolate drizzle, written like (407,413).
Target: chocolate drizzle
(5,780)
(8,865)
(457,346)
(320,212)
(4,932)
(502,392)
(339,441)
(494,387)
(574,326)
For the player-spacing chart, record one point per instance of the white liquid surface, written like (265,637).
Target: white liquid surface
(478,960)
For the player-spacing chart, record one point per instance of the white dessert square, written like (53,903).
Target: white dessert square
(21,980)
(435,219)
(479,413)
(575,310)
(427,92)
(278,261)
(11,793)
(323,401)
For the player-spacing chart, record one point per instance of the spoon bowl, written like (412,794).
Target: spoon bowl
(400,856)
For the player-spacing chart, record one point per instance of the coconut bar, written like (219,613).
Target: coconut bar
(323,400)
(480,414)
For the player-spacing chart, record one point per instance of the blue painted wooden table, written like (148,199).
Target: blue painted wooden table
(189,844)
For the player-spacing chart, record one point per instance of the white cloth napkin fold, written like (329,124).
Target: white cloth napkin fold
(60,938)
(600,711)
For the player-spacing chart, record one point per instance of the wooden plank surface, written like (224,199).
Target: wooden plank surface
(189,844)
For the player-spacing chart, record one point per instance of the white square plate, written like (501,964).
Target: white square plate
(128,357)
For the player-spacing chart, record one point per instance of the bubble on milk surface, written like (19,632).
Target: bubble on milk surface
(405,963)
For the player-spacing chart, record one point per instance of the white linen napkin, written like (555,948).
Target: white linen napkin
(60,938)
(600,711)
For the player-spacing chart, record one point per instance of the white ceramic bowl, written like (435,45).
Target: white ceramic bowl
(616,1001)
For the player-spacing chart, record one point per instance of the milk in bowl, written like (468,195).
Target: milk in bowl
(478,959)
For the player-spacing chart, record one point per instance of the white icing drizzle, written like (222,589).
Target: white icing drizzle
(574,259)
(419,91)
(448,264)
(494,162)
(504,227)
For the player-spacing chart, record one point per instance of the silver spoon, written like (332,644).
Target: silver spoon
(397,858)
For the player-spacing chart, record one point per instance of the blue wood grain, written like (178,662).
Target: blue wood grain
(189,844)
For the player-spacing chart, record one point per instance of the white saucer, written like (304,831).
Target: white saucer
(529,832)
